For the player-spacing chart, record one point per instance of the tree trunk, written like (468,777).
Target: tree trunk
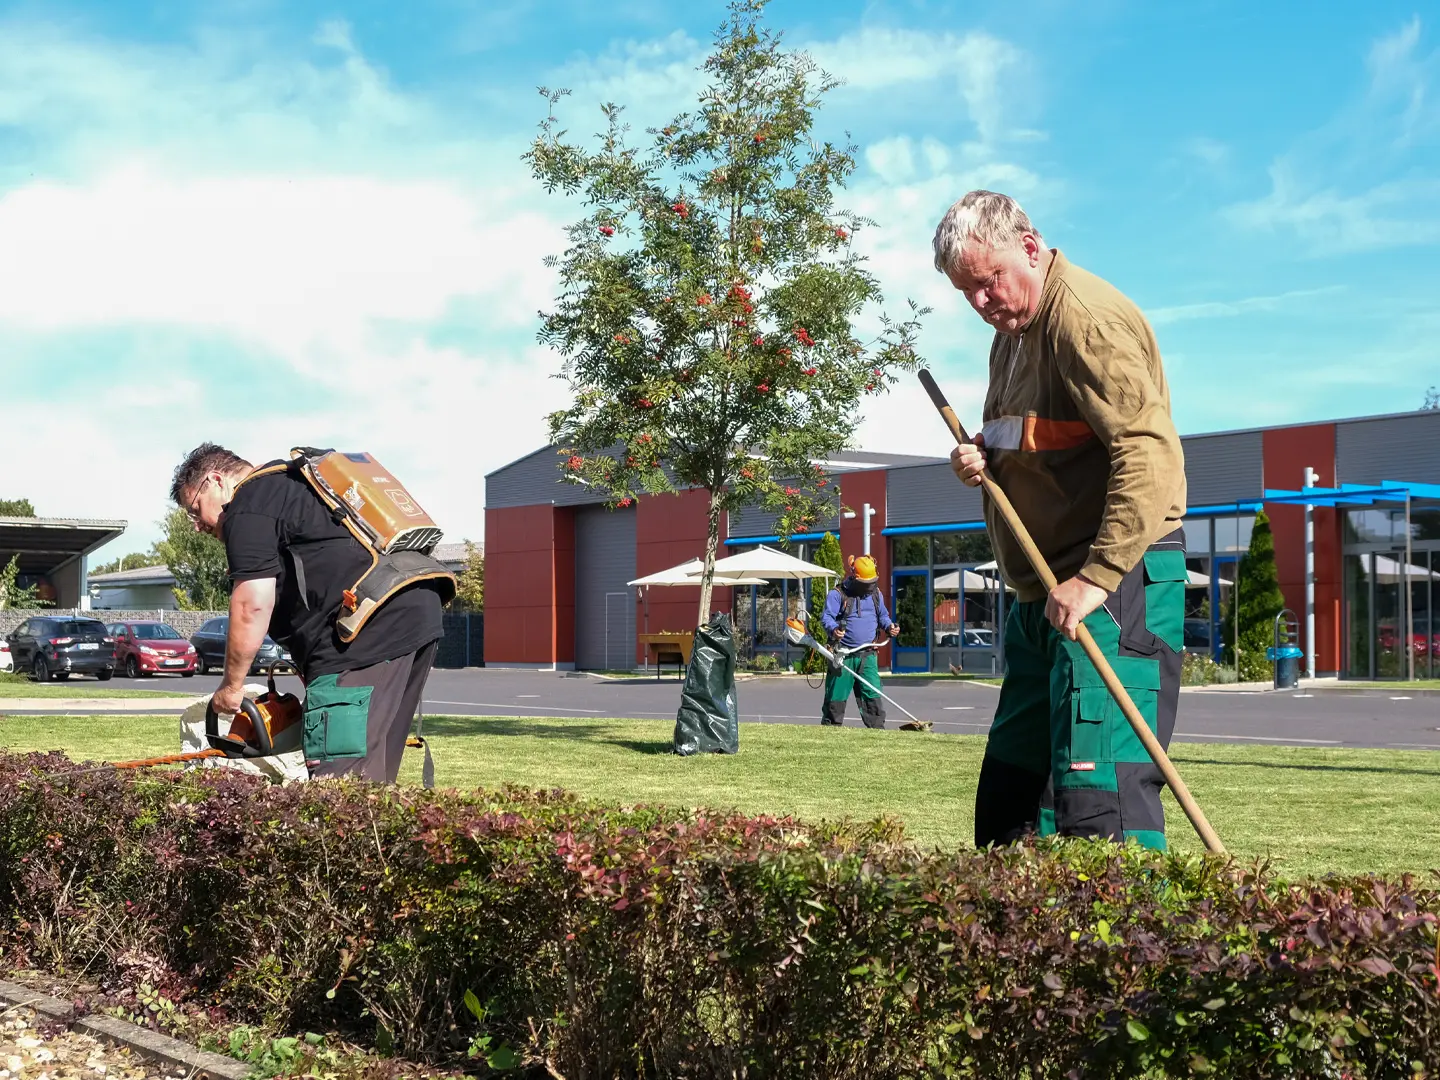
(712,542)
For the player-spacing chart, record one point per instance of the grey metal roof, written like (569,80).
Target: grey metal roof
(45,544)
(139,575)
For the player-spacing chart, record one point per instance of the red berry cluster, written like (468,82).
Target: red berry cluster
(607,230)
(803,336)
(681,209)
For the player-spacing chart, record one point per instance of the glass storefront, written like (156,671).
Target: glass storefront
(947,597)
(1389,598)
(1213,547)
(1389,606)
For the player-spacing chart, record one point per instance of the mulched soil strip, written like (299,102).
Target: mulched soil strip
(41,1036)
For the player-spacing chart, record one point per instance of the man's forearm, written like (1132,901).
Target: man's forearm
(250,609)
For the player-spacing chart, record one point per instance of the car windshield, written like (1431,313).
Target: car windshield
(156,632)
(70,627)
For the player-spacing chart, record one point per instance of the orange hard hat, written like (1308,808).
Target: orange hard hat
(864,568)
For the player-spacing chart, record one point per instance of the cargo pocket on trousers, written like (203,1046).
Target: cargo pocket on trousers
(1096,709)
(337,719)
(1165,578)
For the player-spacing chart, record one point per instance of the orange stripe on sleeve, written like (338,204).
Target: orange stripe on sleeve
(1041,434)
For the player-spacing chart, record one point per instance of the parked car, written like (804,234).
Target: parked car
(58,647)
(147,647)
(7,663)
(209,642)
(1197,634)
(974,639)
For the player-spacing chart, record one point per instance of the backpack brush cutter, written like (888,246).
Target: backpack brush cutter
(797,634)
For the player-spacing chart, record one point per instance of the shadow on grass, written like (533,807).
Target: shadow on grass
(577,730)
(548,727)
(644,746)
(1379,769)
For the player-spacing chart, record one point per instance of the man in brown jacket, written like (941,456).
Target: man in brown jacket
(1077,432)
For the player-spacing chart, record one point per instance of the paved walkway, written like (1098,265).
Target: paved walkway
(1316,714)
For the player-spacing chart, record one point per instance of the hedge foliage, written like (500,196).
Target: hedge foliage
(530,930)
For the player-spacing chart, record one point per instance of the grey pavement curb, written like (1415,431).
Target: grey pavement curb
(147,1044)
(48,1007)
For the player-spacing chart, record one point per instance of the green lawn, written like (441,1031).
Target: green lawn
(1313,811)
(89,688)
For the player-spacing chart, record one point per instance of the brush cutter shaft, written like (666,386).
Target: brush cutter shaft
(803,638)
(1083,636)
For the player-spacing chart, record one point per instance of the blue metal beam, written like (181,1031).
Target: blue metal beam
(1417,491)
(915,530)
(1223,509)
(735,541)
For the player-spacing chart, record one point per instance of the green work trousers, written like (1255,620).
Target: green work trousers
(838,685)
(1061,757)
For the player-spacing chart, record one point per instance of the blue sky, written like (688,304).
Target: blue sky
(277,223)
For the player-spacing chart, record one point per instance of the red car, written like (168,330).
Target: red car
(149,648)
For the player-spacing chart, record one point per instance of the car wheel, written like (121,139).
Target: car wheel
(40,670)
(187,674)
(201,666)
(132,668)
(61,676)
(105,676)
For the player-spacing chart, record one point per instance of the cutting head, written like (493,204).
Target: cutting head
(795,631)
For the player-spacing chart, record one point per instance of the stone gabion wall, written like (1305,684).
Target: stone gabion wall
(185,622)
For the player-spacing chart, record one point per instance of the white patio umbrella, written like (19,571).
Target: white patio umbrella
(1389,570)
(687,573)
(766,562)
(973,582)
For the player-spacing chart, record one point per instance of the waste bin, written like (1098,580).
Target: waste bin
(1287,666)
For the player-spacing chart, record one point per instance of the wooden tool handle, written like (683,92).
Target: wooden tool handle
(1087,642)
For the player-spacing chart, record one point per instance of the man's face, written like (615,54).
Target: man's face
(1003,285)
(204,501)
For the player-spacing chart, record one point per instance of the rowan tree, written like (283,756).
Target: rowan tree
(710,294)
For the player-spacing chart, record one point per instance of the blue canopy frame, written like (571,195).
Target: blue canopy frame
(1387,491)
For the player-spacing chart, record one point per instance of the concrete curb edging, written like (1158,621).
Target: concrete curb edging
(201,1064)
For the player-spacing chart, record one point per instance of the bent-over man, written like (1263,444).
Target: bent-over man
(1077,432)
(290,563)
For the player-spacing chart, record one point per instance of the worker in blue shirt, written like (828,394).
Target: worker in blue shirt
(854,616)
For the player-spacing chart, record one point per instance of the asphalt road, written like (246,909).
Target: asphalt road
(1376,718)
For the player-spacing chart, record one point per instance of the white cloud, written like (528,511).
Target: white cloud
(1208,151)
(290,209)
(294,214)
(1392,214)
(281,261)
(1219,309)
(1363,181)
(904,421)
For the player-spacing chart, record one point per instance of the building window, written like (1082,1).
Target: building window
(962,547)
(912,551)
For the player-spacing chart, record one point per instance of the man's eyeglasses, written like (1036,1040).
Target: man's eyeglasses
(193,510)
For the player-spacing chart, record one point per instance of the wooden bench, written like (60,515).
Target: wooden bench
(670,646)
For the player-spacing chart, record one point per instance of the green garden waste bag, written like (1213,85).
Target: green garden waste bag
(709,719)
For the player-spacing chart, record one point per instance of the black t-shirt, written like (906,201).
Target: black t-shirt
(274,518)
